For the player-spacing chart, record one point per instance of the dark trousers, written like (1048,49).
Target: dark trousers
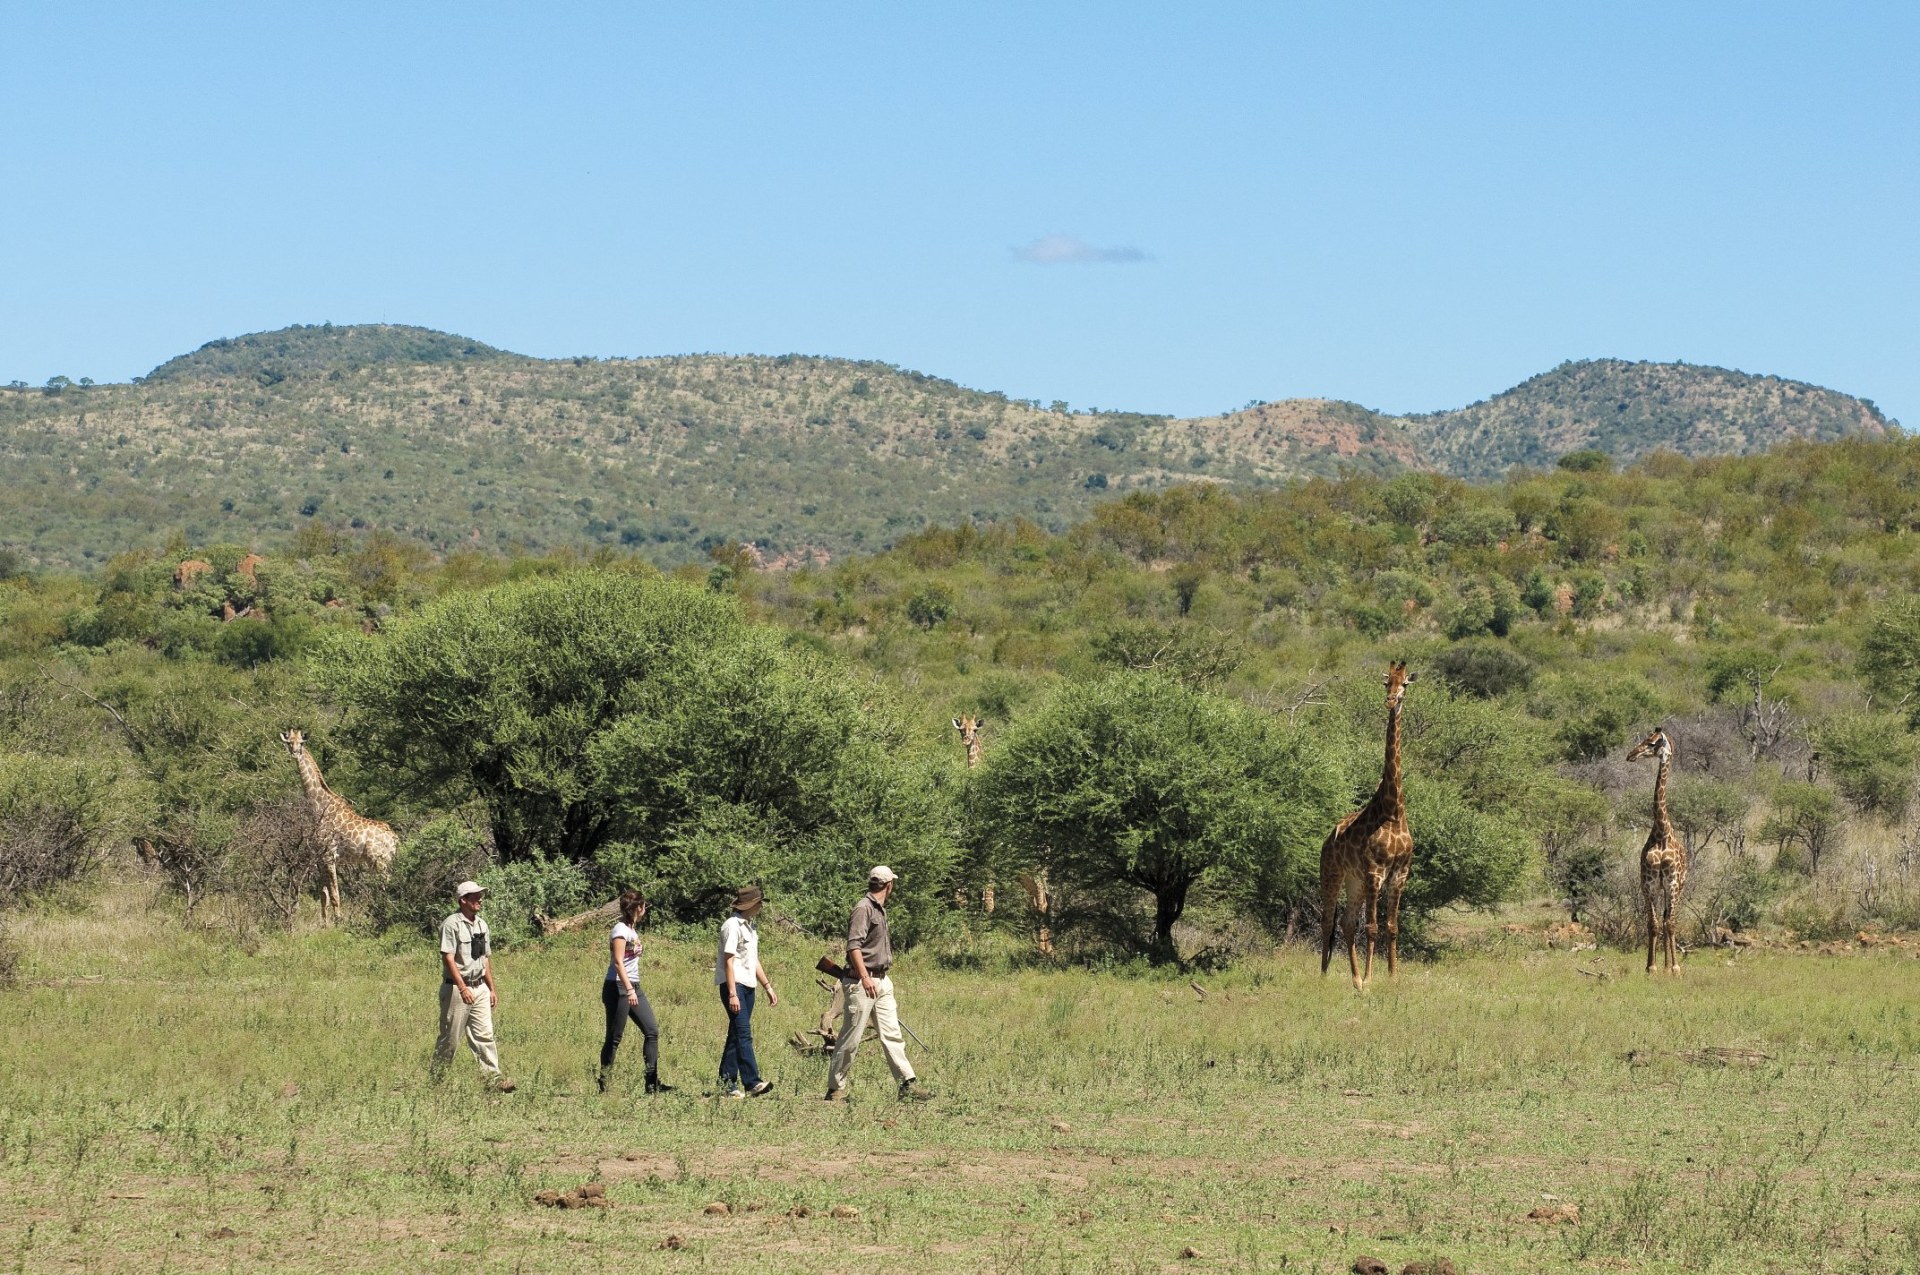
(737,1063)
(618,1012)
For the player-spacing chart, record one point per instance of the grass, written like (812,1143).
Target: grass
(169,1103)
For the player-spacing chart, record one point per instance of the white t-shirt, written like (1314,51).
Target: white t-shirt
(740,940)
(621,930)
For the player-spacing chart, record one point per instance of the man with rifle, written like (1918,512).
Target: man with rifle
(869,993)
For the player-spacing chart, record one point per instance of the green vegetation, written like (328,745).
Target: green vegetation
(449,443)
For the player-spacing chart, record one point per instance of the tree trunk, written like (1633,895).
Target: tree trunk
(560,925)
(1169,902)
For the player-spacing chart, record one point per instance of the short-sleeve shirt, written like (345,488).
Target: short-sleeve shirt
(867,934)
(467,942)
(621,930)
(740,940)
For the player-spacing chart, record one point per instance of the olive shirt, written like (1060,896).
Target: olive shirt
(867,934)
(466,942)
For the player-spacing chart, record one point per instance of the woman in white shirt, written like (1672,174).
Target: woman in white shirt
(621,995)
(736,968)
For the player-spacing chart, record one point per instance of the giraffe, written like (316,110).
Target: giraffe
(344,833)
(970,728)
(1663,860)
(1370,852)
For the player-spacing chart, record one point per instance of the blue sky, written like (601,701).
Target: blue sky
(1149,206)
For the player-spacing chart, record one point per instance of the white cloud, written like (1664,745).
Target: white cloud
(1055,250)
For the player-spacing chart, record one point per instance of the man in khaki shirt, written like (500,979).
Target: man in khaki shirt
(467,993)
(869,993)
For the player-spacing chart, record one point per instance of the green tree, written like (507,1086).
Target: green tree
(504,691)
(1871,757)
(1890,656)
(1139,783)
(1805,818)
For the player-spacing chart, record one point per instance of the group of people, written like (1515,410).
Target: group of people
(468,995)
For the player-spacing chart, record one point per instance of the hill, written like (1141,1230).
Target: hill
(451,441)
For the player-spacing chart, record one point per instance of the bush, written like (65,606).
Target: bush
(418,892)
(517,892)
(58,818)
(1871,758)
(1486,670)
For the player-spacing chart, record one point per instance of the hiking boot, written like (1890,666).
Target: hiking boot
(605,1077)
(837,1095)
(761,1090)
(503,1085)
(914,1091)
(657,1085)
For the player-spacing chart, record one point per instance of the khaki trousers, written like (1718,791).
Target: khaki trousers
(475,1022)
(886,1021)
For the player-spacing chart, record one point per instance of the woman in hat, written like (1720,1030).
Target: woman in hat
(735,971)
(621,997)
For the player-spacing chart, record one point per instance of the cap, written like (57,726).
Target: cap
(465,888)
(883,874)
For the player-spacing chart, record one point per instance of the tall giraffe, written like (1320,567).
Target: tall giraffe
(1370,852)
(344,832)
(1663,860)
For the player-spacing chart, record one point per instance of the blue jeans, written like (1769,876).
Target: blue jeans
(737,1064)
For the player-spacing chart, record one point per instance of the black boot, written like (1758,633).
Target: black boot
(657,1085)
(606,1074)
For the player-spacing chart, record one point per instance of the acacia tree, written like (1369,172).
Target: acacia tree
(642,724)
(1138,783)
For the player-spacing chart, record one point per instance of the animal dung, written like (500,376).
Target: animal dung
(717,1209)
(1189,1253)
(1439,1266)
(846,1212)
(799,1211)
(588,1195)
(1369,1266)
(1061,1126)
(673,1241)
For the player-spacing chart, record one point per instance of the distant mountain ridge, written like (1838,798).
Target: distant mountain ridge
(452,441)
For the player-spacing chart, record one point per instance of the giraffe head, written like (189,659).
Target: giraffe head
(1396,681)
(294,740)
(969,728)
(1656,744)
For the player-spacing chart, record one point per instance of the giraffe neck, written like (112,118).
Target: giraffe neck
(1661,823)
(319,797)
(973,753)
(1388,797)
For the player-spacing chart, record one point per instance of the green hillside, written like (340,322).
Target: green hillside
(452,442)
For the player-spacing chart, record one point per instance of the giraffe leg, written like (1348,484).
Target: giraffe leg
(1350,921)
(1329,917)
(1396,883)
(333,881)
(1673,943)
(1370,903)
(1653,923)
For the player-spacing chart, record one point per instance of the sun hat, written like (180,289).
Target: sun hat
(465,888)
(883,874)
(745,897)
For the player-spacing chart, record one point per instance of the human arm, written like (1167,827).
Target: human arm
(733,989)
(620,967)
(857,931)
(493,993)
(453,976)
(760,972)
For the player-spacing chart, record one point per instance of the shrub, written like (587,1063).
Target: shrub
(1486,670)
(418,892)
(1806,819)
(58,818)
(1871,758)
(517,892)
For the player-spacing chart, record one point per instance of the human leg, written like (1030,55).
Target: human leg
(743,1044)
(614,1002)
(886,1020)
(480,1032)
(853,1025)
(642,1016)
(453,1024)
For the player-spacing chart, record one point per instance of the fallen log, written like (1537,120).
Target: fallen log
(560,925)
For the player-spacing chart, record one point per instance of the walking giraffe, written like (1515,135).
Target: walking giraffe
(1370,852)
(1663,860)
(344,832)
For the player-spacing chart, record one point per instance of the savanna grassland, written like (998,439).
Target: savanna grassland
(168,1102)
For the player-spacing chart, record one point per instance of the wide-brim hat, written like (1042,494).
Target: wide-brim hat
(745,897)
(465,888)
